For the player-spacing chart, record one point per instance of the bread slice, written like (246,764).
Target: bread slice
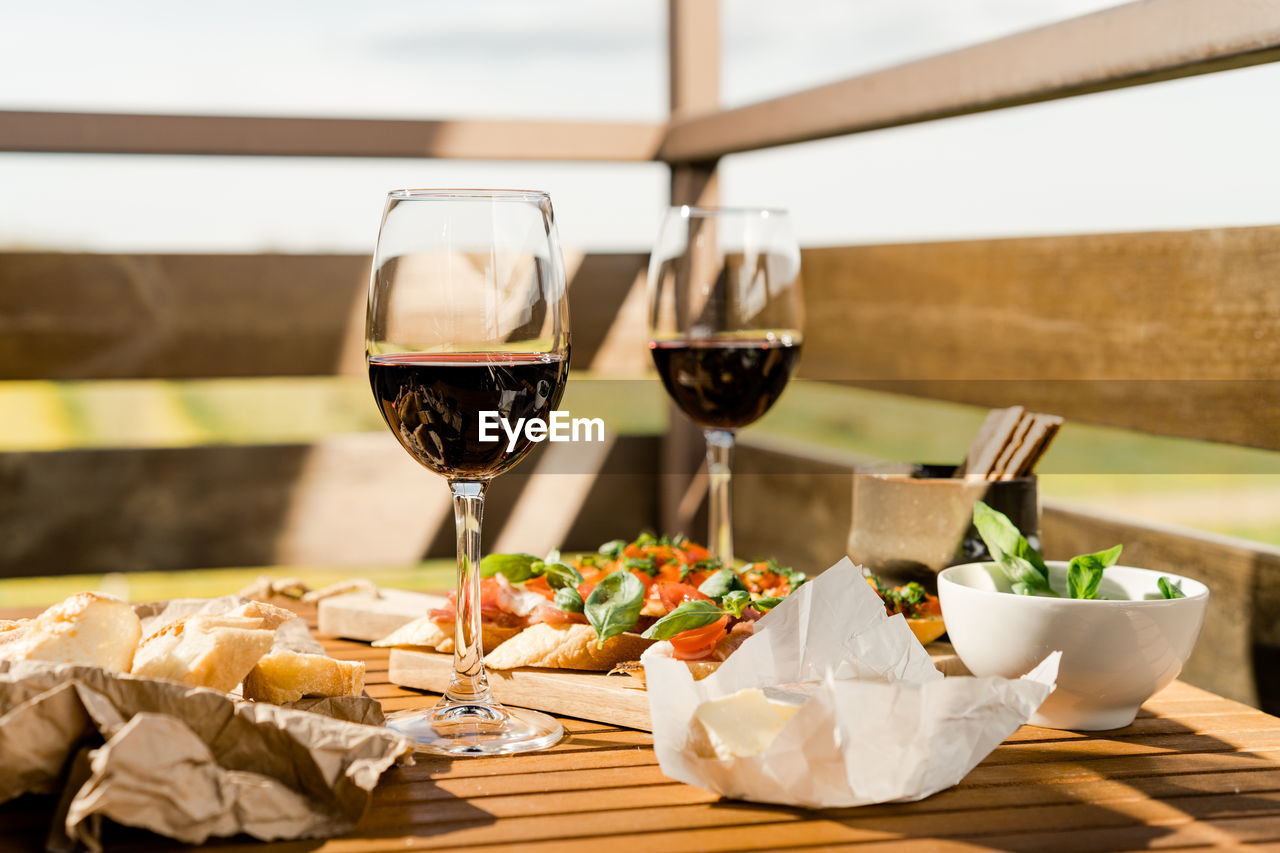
(88,628)
(427,632)
(288,676)
(699,669)
(204,650)
(272,616)
(565,647)
(12,629)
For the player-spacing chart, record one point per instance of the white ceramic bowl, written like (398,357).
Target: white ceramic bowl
(1115,653)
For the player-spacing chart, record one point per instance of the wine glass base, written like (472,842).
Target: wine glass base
(471,729)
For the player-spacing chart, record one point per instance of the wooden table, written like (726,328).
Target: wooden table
(1193,771)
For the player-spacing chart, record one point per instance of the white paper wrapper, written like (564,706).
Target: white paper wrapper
(881,724)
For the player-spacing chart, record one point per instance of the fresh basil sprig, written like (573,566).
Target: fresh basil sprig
(612,549)
(614,605)
(1085,572)
(516,567)
(720,584)
(561,575)
(764,605)
(1023,564)
(1026,569)
(736,601)
(641,564)
(688,616)
(1170,589)
(569,599)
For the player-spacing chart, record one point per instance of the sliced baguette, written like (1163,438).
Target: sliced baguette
(204,650)
(699,669)
(565,647)
(427,632)
(289,676)
(272,616)
(88,628)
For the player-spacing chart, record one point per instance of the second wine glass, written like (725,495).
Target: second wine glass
(725,328)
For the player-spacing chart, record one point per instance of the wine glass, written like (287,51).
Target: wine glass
(467,314)
(725,319)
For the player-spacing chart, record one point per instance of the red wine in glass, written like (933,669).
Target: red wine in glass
(432,403)
(725,328)
(468,314)
(725,383)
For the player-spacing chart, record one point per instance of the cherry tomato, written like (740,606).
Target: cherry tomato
(697,643)
(540,586)
(693,553)
(672,595)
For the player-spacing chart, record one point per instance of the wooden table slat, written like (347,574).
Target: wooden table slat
(1193,771)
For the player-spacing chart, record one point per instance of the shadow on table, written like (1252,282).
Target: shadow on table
(1004,805)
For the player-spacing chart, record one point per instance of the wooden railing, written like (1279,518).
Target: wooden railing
(1169,333)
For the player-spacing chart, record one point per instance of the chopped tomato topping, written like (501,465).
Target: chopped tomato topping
(698,643)
(540,586)
(763,582)
(672,595)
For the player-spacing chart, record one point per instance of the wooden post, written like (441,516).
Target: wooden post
(694,61)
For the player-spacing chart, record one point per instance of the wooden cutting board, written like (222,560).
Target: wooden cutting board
(619,700)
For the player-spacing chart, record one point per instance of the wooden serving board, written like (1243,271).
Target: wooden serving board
(619,700)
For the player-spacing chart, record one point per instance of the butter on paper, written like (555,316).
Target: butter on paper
(881,723)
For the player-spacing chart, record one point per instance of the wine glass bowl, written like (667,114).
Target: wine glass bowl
(725,328)
(468,318)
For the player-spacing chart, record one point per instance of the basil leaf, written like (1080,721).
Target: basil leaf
(568,599)
(516,567)
(614,605)
(794,578)
(1022,564)
(562,575)
(764,605)
(688,616)
(736,601)
(553,557)
(1083,577)
(1085,572)
(721,584)
(1171,589)
(642,564)
(612,549)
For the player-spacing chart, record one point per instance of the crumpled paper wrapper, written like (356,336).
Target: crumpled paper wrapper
(881,724)
(188,763)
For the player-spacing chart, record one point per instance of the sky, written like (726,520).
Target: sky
(1183,154)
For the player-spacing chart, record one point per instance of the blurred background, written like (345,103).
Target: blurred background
(181,334)
(1190,153)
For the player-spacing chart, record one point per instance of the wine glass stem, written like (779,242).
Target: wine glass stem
(719,454)
(469,684)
